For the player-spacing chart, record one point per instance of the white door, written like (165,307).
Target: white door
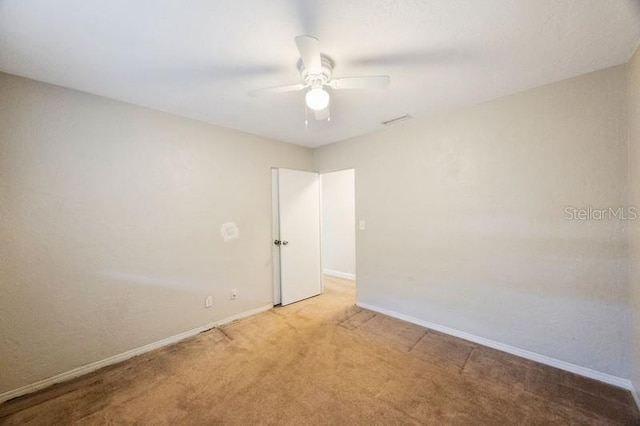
(299,235)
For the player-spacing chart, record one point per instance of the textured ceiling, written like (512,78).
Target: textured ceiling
(199,58)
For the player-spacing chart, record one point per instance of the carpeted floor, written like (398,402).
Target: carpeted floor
(324,361)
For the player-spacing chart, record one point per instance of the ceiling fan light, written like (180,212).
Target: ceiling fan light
(317,99)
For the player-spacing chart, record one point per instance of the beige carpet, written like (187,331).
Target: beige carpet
(324,361)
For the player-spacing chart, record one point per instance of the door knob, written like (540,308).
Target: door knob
(277,242)
(284,243)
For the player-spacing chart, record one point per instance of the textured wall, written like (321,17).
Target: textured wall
(633,115)
(338,222)
(466,224)
(111,226)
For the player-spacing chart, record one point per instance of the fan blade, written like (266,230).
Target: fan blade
(370,82)
(309,48)
(322,114)
(277,89)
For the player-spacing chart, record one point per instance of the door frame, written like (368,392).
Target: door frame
(275,232)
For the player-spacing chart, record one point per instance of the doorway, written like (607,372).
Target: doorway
(338,224)
(313,232)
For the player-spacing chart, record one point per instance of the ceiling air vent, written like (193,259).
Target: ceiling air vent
(397,120)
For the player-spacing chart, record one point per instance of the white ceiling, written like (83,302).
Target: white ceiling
(199,58)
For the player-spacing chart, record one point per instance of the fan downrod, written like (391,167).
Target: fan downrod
(323,77)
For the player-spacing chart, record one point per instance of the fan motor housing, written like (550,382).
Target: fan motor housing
(324,77)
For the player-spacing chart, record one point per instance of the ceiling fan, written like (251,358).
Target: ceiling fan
(316,73)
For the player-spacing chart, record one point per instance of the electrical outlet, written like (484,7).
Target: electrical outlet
(208,302)
(234,294)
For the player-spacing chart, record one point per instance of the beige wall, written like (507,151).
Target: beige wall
(634,199)
(110,226)
(465,220)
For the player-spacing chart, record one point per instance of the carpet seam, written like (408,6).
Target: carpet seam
(418,341)
(225,334)
(374,315)
(467,360)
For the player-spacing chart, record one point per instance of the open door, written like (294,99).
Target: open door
(297,235)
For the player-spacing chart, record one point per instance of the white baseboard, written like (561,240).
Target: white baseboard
(339,274)
(244,314)
(543,359)
(77,372)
